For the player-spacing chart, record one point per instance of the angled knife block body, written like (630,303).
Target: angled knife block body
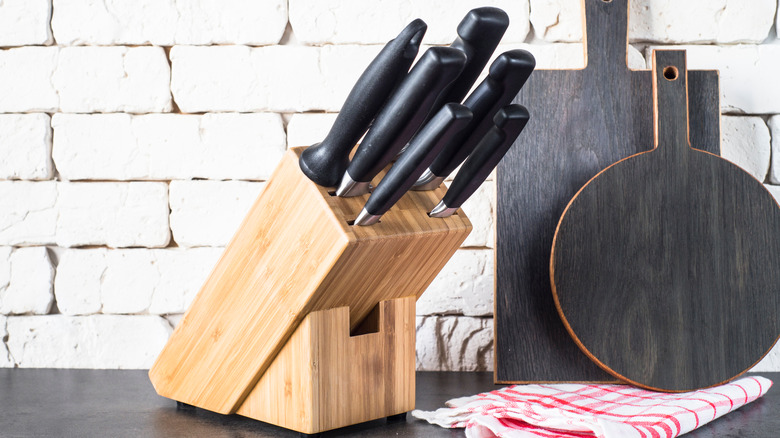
(268,335)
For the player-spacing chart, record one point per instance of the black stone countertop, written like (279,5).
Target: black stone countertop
(109,403)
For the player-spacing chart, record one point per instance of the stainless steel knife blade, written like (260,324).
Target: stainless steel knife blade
(507,126)
(422,149)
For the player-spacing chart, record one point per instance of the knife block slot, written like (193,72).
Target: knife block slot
(295,262)
(370,323)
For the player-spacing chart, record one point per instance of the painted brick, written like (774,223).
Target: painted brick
(169,22)
(664,21)
(701,21)
(25,79)
(84,79)
(29,212)
(159,281)
(25,145)
(5,357)
(480,209)
(275,78)
(774,170)
(770,362)
(98,341)
(25,22)
(113,214)
(26,276)
(167,146)
(378,21)
(746,74)
(111,79)
(463,287)
(774,190)
(745,141)
(308,129)
(454,343)
(208,213)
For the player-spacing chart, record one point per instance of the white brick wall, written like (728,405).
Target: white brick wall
(207,213)
(135,134)
(25,22)
(26,276)
(25,145)
(167,146)
(169,22)
(665,21)
(378,21)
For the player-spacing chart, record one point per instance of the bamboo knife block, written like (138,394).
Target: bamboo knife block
(307,321)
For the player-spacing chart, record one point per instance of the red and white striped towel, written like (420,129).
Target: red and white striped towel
(604,411)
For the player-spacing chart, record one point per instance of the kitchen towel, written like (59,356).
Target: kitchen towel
(604,411)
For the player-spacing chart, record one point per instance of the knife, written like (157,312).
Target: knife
(423,148)
(399,119)
(507,75)
(478,36)
(508,124)
(325,162)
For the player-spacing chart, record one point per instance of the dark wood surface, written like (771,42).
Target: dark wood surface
(581,122)
(111,403)
(666,266)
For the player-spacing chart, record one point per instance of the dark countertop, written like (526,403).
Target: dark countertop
(109,403)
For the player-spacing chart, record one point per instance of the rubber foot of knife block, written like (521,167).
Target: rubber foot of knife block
(297,253)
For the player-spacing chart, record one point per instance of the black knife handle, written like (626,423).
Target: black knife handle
(325,162)
(507,75)
(422,149)
(508,124)
(479,33)
(405,111)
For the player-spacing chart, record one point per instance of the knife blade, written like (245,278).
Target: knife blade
(423,148)
(399,119)
(507,75)
(325,162)
(508,124)
(479,33)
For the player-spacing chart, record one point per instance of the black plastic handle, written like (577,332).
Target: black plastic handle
(508,124)
(479,33)
(507,75)
(325,162)
(405,111)
(422,149)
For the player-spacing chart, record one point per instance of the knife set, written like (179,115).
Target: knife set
(643,257)
(307,320)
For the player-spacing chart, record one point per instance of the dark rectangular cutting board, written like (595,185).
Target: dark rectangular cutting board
(581,122)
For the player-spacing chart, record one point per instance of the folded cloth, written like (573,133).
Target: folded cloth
(604,411)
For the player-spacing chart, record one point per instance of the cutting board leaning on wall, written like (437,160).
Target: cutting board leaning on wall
(582,122)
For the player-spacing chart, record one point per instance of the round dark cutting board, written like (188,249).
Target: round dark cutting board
(666,265)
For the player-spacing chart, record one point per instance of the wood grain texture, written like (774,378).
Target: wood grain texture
(665,265)
(581,122)
(324,378)
(295,253)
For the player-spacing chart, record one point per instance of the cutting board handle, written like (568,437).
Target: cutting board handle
(670,101)
(605,33)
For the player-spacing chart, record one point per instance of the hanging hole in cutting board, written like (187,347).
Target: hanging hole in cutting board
(607,1)
(670,73)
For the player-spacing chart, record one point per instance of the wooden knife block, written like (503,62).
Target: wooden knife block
(307,321)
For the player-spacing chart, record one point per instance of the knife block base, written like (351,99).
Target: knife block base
(297,254)
(324,378)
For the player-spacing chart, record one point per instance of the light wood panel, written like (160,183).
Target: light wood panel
(296,253)
(325,379)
